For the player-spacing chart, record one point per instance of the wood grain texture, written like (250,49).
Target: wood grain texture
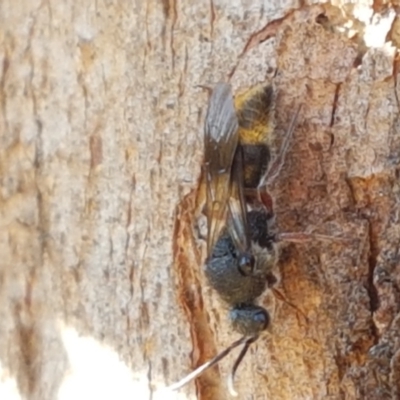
(101,287)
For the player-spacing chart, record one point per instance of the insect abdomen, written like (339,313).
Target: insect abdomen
(256,158)
(254,111)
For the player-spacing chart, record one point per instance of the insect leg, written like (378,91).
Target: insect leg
(276,166)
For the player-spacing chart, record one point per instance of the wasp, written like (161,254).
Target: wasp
(240,243)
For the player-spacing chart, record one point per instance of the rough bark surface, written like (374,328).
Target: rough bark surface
(101,287)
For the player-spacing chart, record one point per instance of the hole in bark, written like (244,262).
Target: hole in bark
(322,19)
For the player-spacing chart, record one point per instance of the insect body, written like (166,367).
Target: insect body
(240,244)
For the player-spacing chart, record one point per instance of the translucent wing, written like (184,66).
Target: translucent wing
(237,221)
(220,144)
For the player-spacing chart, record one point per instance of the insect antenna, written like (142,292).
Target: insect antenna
(197,372)
(280,296)
(239,359)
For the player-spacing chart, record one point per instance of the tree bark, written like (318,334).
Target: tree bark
(101,283)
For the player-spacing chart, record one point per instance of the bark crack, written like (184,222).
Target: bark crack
(335,103)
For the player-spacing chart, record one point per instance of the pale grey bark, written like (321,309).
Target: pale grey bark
(102,293)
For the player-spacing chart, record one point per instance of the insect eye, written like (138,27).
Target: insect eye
(249,319)
(246,264)
(261,318)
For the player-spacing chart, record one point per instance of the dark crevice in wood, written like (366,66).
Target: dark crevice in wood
(372,260)
(335,103)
